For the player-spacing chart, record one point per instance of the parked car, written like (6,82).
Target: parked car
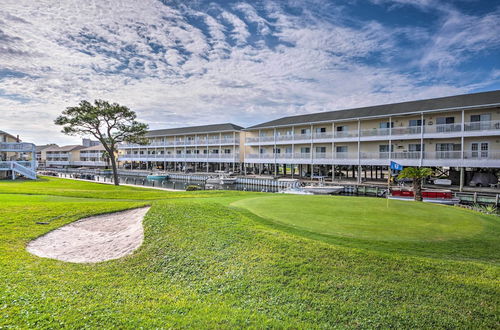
(483,179)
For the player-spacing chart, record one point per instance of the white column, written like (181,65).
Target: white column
(462,139)
(421,139)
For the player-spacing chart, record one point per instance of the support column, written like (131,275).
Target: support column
(462,179)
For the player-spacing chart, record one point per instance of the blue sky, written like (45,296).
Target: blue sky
(181,63)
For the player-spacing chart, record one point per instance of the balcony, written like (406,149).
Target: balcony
(180,157)
(17,147)
(407,158)
(181,143)
(409,132)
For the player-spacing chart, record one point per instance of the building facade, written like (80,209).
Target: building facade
(198,148)
(458,131)
(17,158)
(94,156)
(64,156)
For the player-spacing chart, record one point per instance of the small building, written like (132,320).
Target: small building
(196,148)
(95,157)
(40,160)
(62,157)
(17,158)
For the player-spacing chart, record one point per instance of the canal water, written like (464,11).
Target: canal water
(180,185)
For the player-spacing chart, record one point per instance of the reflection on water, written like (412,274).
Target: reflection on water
(182,185)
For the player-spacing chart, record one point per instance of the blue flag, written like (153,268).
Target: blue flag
(397,167)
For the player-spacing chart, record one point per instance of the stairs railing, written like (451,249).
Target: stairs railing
(19,168)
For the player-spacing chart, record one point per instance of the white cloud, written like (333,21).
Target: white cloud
(154,59)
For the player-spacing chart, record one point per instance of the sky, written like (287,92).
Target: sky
(185,63)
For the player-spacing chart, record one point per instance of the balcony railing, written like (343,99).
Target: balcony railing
(470,155)
(6,165)
(179,156)
(17,146)
(383,132)
(186,142)
(482,126)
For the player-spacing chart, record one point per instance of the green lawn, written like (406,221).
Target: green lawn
(234,259)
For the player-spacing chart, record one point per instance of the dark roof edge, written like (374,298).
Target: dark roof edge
(269,124)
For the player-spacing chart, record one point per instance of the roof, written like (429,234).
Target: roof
(65,148)
(5,133)
(97,147)
(227,127)
(45,146)
(442,103)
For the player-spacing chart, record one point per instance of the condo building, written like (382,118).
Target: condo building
(197,148)
(459,131)
(17,158)
(64,156)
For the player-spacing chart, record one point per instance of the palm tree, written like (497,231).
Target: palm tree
(417,174)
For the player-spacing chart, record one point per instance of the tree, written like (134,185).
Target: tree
(110,123)
(417,174)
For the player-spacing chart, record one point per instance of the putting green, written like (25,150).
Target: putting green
(367,218)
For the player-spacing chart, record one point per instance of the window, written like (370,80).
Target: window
(188,152)
(276,150)
(341,149)
(205,151)
(479,150)
(289,132)
(415,122)
(445,124)
(262,151)
(483,117)
(179,152)
(305,150)
(288,150)
(262,134)
(227,151)
(448,150)
(215,151)
(320,150)
(341,128)
(414,147)
(445,120)
(320,130)
(385,148)
(386,124)
(305,131)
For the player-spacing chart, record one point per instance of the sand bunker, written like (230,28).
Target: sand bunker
(93,239)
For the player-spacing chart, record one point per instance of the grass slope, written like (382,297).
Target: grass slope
(386,225)
(205,263)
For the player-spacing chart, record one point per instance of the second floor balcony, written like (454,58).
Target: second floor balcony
(412,132)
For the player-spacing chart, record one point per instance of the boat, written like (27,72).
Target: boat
(221,179)
(439,196)
(295,191)
(323,190)
(156,177)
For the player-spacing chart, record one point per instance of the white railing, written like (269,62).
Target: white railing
(407,155)
(482,126)
(57,155)
(376,132)
(345,134)
(179,156)
(17,146)
(22,167)
(442,128)
(194,142)
(91,154)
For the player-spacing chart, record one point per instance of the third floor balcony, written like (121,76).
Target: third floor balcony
(401,132)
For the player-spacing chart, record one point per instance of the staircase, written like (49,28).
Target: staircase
(16,167)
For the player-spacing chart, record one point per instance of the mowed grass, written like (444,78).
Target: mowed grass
(385,225)
(207,262)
